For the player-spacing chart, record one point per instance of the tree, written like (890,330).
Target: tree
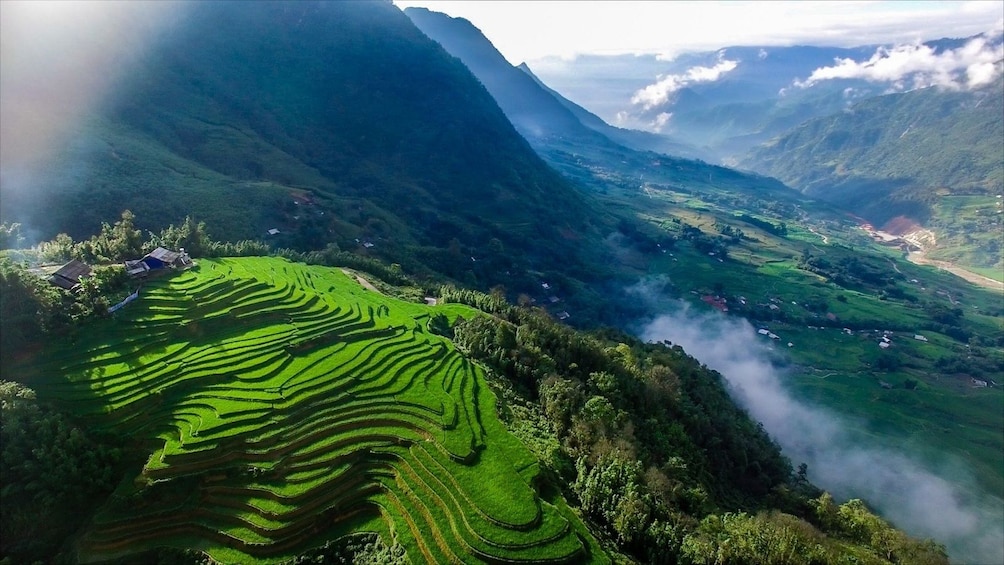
(116,242)
(190,235)
(29,306)
(61,248)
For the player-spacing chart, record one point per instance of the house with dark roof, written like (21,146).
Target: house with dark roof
(68,276)
(160,258)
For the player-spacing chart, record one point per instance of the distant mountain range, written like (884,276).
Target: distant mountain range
(729,100)
(908,157)
(569,137)
(883,141)
(538,112)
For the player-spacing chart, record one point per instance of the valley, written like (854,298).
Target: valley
(442,312)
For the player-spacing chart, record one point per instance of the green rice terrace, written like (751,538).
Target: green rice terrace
(285,405)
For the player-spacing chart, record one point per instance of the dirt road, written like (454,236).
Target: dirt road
(366,284)
(919,258)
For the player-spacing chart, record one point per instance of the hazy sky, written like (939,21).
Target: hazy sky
(530,30)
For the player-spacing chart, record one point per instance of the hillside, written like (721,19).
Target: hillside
(271,411)
(732,99)
(330,121)
(536,114)
(928,158)
(540,114)
(359,139)
(286,400)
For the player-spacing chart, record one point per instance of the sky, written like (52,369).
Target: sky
(525,31)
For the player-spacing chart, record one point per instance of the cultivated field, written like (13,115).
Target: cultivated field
(284,405)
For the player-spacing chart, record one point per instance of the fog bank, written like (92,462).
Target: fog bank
(942,503)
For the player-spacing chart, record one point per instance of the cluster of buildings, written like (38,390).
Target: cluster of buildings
(68,276)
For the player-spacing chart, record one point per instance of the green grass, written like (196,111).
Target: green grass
(280,412)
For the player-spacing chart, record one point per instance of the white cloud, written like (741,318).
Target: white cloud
(660,121)
(974,64)
(659,92)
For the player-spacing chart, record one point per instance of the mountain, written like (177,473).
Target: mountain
(729,100)
(532,110)
(538,112)
(722,101)
(631,138)
(569,138)
(333,122)
(929,158)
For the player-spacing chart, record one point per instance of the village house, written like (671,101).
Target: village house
(162,258)
(68,276)
(157,259)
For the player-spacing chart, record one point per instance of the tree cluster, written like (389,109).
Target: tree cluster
(53,469)
(653,448)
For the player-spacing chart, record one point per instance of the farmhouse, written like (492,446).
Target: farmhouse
(161,258)
(919,337)
(157,259)
(68,276)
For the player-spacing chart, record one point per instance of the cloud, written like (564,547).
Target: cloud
(661,120)
(659,92)
(941,502)
(975,64)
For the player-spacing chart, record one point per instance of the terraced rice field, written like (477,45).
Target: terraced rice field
(283,404)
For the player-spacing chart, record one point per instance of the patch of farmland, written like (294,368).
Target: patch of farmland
(282,402)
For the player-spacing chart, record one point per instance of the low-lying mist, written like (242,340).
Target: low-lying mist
(941,501)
